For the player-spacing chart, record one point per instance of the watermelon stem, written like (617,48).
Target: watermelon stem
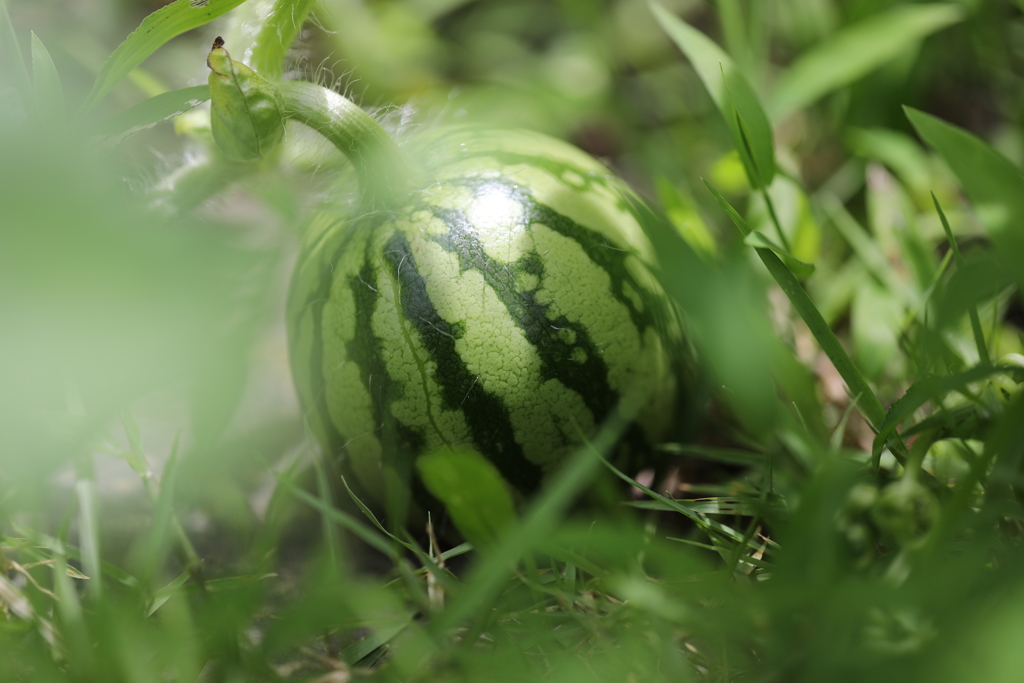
(384,170)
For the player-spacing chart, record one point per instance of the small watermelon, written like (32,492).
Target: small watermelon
(507,305)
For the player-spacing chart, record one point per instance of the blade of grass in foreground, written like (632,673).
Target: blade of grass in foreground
(89,534)
(868,403)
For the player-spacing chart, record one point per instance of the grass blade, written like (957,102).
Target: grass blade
(16,604)
(684,508)
(732,94)
(731,456)
(340,518)
(155,30)
(759,240)
(734,27)
(89,532)
(868,403)
(855,51)
(979,335)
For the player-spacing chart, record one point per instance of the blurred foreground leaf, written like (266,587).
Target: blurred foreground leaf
(101,300)
(472,490)
(46,83)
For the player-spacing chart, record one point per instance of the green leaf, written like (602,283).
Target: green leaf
(732,94)
(154,31)
(46,85)
(472,490)
(993,183)
(734,28)
(760,240)
(149,113)
(857,50)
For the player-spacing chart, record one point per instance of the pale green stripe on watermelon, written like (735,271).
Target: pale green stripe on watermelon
(309,293)
(348,401)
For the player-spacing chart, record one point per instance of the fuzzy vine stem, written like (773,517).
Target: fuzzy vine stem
(384,171)
(248,117)
(194,183)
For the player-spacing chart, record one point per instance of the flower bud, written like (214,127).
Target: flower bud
(246,114)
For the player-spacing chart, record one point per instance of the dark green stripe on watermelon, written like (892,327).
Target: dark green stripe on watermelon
(588,378)
(487,417)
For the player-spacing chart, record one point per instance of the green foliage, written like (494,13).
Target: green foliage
(158,28)
(851,509)
(473,492)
